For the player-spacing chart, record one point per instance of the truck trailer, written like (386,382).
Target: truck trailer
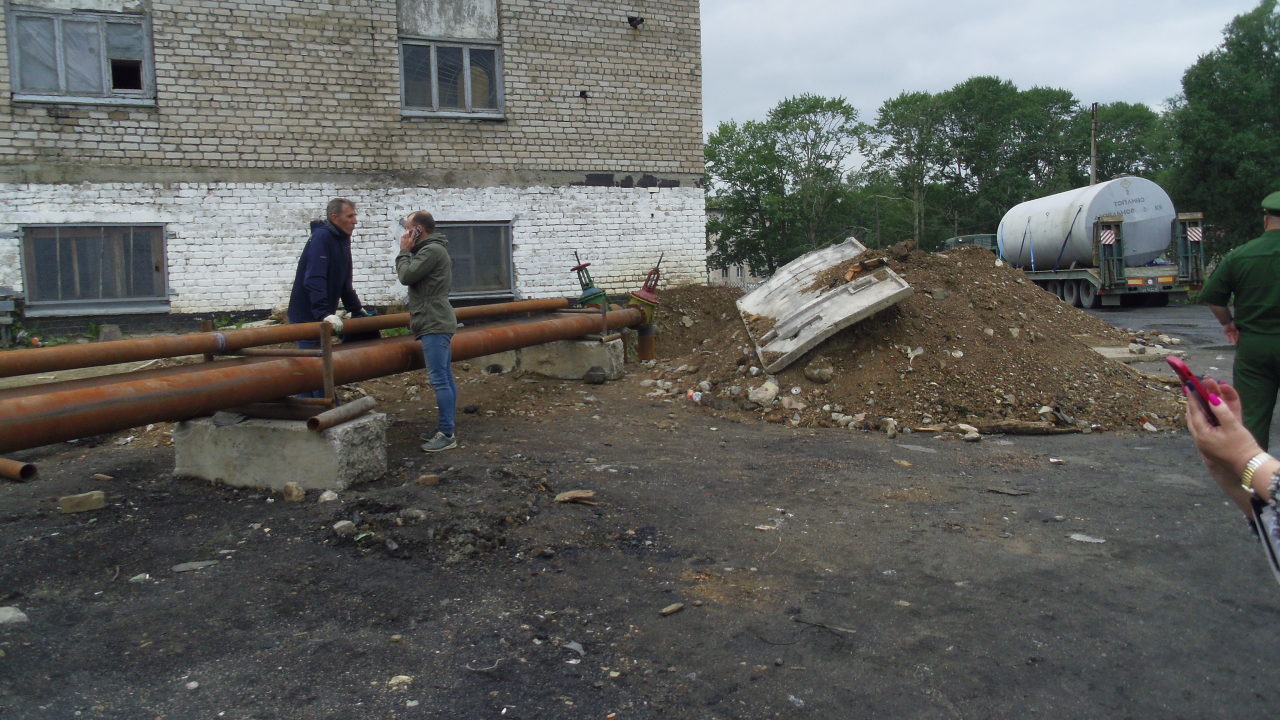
(1098,245)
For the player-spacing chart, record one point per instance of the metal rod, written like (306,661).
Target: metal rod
(646,343)
(44,414)
(207,326)
(67,357)
(14,470)
(340,414)
(311,401)
(326,364)
(275,352)
(275,411)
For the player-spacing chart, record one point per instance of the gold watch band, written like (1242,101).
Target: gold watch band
(1255,462)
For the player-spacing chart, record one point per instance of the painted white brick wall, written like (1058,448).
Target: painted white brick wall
(235,246)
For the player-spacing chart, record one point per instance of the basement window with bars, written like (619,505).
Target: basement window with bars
(80,56)
(481,255)
(451,79)
(94,269)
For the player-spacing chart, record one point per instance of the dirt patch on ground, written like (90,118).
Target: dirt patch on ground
(976,343)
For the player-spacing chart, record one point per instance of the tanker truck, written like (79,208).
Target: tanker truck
(1101,244)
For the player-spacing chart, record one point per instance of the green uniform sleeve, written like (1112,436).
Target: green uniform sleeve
(1217,289)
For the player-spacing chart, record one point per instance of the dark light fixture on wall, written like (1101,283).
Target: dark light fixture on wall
(635,21)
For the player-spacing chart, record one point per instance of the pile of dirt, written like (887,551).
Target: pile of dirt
(977,343)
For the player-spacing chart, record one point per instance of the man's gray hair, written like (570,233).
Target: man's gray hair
(336,206)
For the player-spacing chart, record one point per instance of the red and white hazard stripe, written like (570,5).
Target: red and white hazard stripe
(1108,236)
(1194,234)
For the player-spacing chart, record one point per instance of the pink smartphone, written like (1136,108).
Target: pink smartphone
(1190,380)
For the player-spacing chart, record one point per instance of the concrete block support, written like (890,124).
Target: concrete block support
(269,453)
(570,359)
(497,363)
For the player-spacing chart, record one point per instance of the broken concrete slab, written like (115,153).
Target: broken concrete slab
(1122,353)
(793,311)
(270,454)
(84,502)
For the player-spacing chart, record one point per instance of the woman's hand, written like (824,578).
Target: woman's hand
(1227,447)
(1228,443)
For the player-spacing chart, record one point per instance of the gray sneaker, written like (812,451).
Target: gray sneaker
(440,442)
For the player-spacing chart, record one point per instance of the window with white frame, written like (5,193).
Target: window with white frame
(481,255)
(451,78)
(80,56)
(72,269)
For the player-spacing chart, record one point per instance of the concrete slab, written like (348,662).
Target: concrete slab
(1121,353)
(791,313)
(570,359)
(497,363)
(269,453)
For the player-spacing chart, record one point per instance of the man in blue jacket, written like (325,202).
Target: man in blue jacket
(324,270)
(324,274)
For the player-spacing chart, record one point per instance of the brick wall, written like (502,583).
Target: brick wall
(264,111)
(234,247)
(287,88)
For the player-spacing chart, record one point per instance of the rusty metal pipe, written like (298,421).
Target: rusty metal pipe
(275,352)
(52,413)
(340,414)
(14,470)
(67,357)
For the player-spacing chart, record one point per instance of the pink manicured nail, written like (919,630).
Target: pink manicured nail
(1214,399)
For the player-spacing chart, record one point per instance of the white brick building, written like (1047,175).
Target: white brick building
(167,155)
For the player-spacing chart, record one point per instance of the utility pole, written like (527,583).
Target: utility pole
(1093,147)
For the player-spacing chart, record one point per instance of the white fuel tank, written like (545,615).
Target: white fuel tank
(1051,233)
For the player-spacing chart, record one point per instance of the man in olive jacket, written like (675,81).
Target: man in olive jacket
(423,264)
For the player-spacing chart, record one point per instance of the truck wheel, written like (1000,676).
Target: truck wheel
(1054,287)
(1071,293)
(1089,295)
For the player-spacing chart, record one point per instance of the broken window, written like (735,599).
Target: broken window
(80,56)
(88,267)
(481,254)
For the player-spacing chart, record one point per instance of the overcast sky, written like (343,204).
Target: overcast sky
(757,52)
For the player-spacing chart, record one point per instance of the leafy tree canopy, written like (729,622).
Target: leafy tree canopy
(1226,128)
(780,187)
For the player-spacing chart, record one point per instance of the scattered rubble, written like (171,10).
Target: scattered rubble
(976,344)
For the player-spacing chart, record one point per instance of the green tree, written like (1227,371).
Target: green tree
(1226,128)
(746,186)
(778,186)
(1007,146)
(1132,140)
(911,149)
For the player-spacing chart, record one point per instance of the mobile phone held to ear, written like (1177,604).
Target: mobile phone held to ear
(1189,379)
(417,232)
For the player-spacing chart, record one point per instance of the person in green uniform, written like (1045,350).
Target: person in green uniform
(1248,279)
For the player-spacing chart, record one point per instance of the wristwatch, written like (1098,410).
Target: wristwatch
(1255,462)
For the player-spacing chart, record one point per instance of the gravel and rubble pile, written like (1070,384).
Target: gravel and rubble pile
(976,344)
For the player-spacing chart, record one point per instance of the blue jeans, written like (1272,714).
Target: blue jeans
(437,352)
